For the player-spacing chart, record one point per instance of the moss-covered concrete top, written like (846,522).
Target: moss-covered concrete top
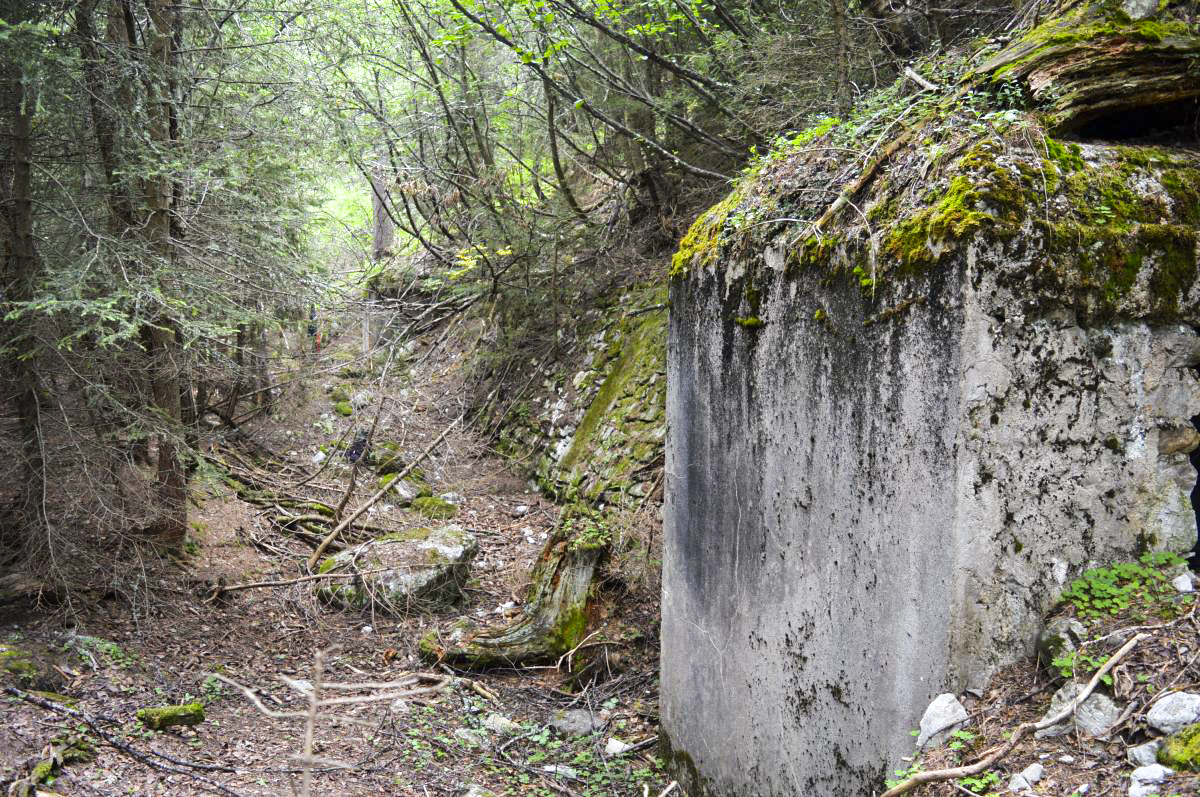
(1110,229)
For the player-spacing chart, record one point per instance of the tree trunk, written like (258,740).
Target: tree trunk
(21,268)
(165,357)
(841,56)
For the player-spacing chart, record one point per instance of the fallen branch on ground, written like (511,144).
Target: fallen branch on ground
(374,499)
(219,590)
(136,755)
(1022,730)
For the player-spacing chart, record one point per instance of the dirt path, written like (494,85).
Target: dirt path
(161,642)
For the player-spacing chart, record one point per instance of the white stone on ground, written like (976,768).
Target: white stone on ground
(1182,582)
(944,715)
(1144,781)
(1144,754)
(1094,717)
(1173,712)
(500,724)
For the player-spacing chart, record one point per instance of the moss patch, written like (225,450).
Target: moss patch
(160,717)
(434,508)
(1182,749)
(343,408)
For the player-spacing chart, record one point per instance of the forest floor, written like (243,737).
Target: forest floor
(161,641)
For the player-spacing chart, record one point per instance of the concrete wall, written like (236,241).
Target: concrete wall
(860,516)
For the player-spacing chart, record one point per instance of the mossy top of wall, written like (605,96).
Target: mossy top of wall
(918,182)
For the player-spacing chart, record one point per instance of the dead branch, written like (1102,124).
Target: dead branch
(219,590)
(183,768)
(374,499)
(1022,730)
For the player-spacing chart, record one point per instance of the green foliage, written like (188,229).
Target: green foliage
(1074,663)
(106,650)
(981,783)
(902,775)
(959,740)
(1108,591)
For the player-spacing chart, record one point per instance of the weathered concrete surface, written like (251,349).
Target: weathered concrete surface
(862,516)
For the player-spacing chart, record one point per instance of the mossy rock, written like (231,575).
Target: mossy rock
(341,393)
(401,571)
(159,717)
(343,408)
(26,668)
(434,508)
(1181,750)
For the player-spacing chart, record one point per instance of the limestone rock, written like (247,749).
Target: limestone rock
(1174,712)
(1144,781)
(402,571)
(500,724)
(1140,9)
(1094,717)
(945,714)
(1061,635)
(1183,582)
(1026,778)
(576,722)
(1144,754)
(615,746)
(474,790)
(473,738)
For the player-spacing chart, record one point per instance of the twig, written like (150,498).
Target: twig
(912,75)
(136,755)
(1022,730)
(370,502)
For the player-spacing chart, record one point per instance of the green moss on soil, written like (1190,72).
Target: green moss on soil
(343,408)
(1182,749)
(434,508)
(341,393)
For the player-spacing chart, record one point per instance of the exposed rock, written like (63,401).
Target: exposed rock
(944,715)
(1181,750)
(1061,635)
(576,722)
(561,771)
(1094,717)
(1144,781)
(1182,582)
(1143,755)
(1140,9)
(474,790)
(28,666)
(615,746)
(402,571)
(473,738)
(1174,712)
(404,492)
(500,724)
(1026,778)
